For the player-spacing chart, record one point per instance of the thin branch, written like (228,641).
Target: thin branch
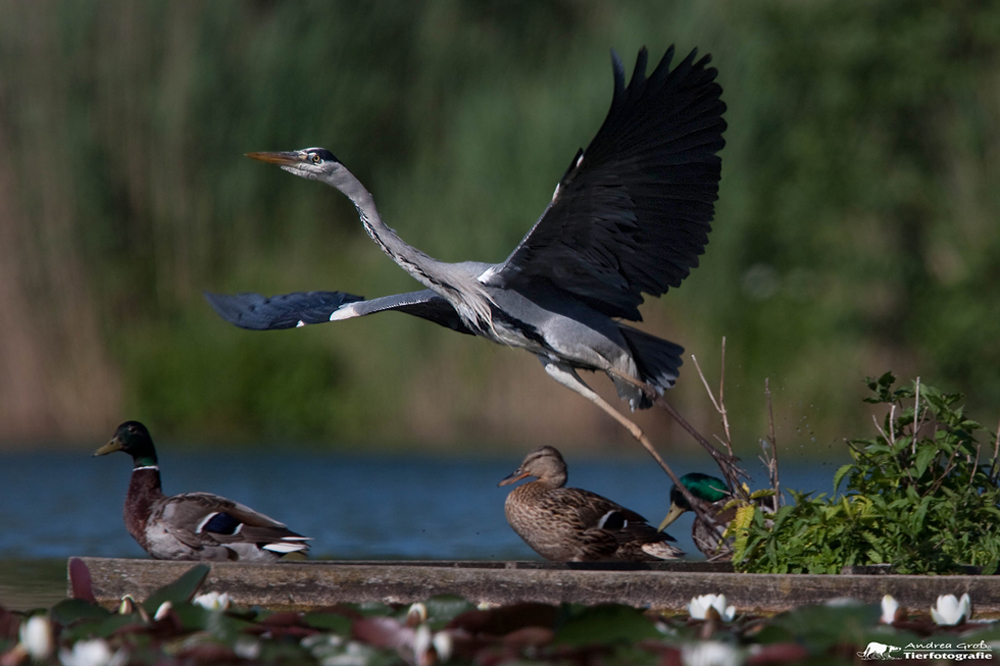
(728,464)
(892,425)
(916,417)
(711,396)
(722,395)
(994,468)
(720,405)
(975,466)
(879,428)
(947,470)
(772,465)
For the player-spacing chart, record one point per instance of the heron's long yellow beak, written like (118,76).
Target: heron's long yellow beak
(672,515)
(110,447)
(282,159)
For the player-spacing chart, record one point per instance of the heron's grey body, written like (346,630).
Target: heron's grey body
(629,216)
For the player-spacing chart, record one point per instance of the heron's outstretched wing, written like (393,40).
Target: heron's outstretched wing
(261,313)
(633,211)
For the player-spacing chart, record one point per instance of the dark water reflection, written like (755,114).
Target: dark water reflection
(56,505)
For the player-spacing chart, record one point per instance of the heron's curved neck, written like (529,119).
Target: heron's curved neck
(463,291)
(421,266)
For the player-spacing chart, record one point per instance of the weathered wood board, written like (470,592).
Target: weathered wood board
(667,585)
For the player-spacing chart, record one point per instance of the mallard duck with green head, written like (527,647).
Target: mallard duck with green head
(713,493)
(574,525)
(192,526)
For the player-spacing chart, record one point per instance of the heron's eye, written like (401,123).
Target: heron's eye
(316,159)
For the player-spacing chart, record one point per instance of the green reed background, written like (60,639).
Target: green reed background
(857,229)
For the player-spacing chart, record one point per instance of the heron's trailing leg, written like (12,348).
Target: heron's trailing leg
(728,464)
(567,376)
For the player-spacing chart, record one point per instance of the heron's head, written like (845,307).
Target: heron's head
(311,163)
(545,463)
(132,438)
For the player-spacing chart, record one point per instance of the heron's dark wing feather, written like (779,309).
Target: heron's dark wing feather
(262,313)
(256,312)
(633,211)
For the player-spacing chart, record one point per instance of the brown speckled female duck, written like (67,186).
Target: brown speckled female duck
(192,526)
(574,525)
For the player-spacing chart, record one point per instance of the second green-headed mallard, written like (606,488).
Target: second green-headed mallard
(192,526)
(714,495)
(574,525)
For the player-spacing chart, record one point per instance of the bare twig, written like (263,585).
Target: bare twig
(772,463)
(975,466)
(728,465)
(916,417)
(892,425)
(722,395)
(730,471)
(711,396)
(994,468)
(879,428)
(947,470)
(720,404)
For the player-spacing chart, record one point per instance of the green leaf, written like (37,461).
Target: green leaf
(71,611)
(180,591)
(610,623)
(839,476)
(332,622)
(925,454)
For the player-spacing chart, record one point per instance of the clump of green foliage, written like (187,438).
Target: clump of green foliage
(921,496)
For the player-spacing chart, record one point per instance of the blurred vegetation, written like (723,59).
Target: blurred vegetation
(922,497)
(856,228)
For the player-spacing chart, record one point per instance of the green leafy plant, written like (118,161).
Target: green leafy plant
(921,496)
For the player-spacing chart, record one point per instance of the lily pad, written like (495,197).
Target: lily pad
(611,623)
(70,611)
(180,591)
(331,622)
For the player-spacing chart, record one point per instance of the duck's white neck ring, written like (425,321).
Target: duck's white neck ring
(156,467)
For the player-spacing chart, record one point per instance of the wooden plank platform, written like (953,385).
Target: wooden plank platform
(665,585)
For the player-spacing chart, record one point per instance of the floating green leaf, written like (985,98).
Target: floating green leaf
(180,591)
(604,624)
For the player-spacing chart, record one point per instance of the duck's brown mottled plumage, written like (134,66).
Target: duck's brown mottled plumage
(575,525)
(192,526)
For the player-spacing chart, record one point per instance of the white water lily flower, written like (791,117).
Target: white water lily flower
(889,608)
(247,648)
(710,653)
(94,652)
(36,637)
(443,645)
(416,614)
(162,611)
(353,654)
(214,601)
(950,611)
(699,607)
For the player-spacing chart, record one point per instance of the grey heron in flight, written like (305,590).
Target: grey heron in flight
(630,216)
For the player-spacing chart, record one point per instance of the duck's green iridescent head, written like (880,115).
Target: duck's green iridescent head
(132,438)
(706,488)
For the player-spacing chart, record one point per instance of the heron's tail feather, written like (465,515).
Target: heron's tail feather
(657,360)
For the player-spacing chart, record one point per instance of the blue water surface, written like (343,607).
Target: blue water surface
(57,505)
